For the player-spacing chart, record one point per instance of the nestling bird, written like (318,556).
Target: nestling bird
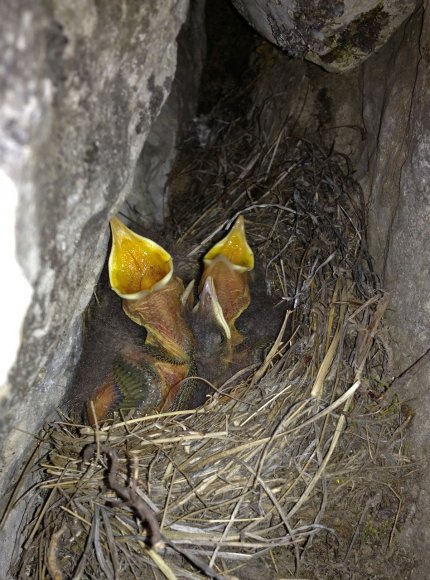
(155,368)
(221,349)
(141,273)
(227,264)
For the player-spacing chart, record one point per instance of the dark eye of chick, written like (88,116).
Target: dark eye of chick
(220,338)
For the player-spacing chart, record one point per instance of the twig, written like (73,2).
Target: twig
(411,371)
(197,562)
(130,496)
(370,503)
(51,558)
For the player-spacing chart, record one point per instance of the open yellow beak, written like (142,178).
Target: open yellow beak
(227,292)
(234,248)
(137,265)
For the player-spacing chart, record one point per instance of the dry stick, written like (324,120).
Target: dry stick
(169,494)
(234,378)
(296,412)
(257,376)
(263,456)
(275,149)
(332,314)
(192,437)
(344,397)
(143,510)
(338,430)
(281,513)
(208,238)
(317,388)
(314,271)
(201,411)
(370,333)
(130,496)
(324,500)
(155,557)
(41,514)
(28,466)
(176,522)
(408,373)
(51,558)
(277,256)
(162,565)
(236,541)
(75,515)
(227,223)
(260,206)
(194,456)
(339,337)
(249,166)
(113,552)
(365,305)
(227,529)
(273,229)
(196,561)
(266,404)
(399,507)
(104,564)
(96,432)
(82,563)
(220,391)
(195,492)
(194,488)
(370,503)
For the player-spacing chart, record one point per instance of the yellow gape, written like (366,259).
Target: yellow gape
(178,336)
(137,265)
(227,264)
(234,248)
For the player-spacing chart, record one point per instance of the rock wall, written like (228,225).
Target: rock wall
(82,84)
(149,195)
(378,115)
(396,117)
(336,34)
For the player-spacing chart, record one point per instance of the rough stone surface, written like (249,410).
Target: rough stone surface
(397,121)
(81,84)
(336,34)
(398,181)
(308,102)
(149,192)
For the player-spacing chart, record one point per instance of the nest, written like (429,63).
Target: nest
(283,470)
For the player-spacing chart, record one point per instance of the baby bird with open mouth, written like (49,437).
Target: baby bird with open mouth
(158,367)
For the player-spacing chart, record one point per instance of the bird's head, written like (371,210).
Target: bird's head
(227,264)
(234,248)
(137,265)
(141,272)
(211,331)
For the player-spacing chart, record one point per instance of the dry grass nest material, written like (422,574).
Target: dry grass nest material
(305,449)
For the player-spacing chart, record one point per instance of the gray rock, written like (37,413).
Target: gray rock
(397,120)
(80,88)
(336,34)
(149,193)
(81,84)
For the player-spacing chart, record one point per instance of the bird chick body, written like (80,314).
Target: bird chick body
(145,376)
(161,313)
(159,370)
